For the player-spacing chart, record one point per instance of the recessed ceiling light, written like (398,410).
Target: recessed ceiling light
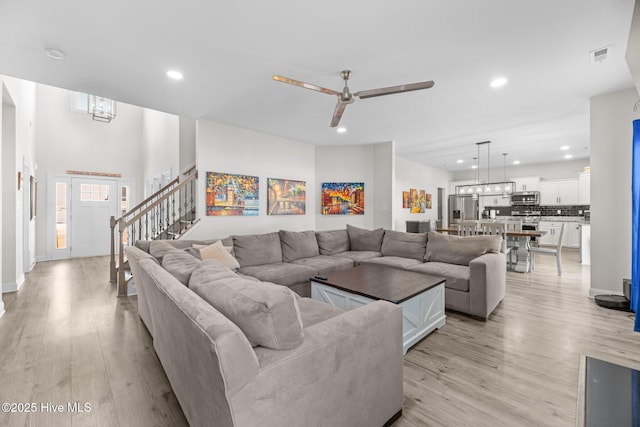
(175,75)
(568,156)
(459,161)
(564,147)
(516,162)
(474,167)
(498,82)
(341,130)
(54,53)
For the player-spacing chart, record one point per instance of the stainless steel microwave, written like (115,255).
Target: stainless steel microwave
(525,198)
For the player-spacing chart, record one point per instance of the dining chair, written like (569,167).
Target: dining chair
(557,251)
(468,228)
(512,247)
(498,229)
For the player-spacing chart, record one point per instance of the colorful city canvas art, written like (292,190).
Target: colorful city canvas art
(230,194)
(286,197)
(342,198)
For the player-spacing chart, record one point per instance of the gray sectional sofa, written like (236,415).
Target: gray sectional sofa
(241,348)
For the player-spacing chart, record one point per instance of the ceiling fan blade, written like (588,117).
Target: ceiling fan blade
(337,114)
(393,89)
(305,85)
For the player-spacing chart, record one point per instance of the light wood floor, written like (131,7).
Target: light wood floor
(66,338)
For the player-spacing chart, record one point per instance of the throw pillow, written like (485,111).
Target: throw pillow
(180,264)
(460,250)
(218,252)
(298,245)
(267,313)
(365,240)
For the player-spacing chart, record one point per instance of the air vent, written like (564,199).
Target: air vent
(599,55)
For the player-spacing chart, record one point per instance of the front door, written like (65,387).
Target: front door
(93,202)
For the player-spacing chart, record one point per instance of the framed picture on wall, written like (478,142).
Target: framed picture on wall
(342,198)
(286,197)
(231,194)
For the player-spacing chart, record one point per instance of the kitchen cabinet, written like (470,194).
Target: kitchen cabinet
(493,201)
(527,184)
(559,192)
(570,238)
(584,184)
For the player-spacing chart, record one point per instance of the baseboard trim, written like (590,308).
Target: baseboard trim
(41,258)
(593,292)
(1,308)
(9,287)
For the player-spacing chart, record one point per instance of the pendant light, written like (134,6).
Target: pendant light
(488,188)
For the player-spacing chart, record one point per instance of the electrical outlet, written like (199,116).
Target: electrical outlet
(497,212)
(579,212)
(559,211)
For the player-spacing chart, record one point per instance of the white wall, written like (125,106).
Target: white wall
(558,170)
(223,148)
(68,140)
(23,95)
(384,157)
(187,142)
(633,46)
(611,147)
(410,174)
(161,144)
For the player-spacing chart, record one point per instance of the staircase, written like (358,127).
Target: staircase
(166,215)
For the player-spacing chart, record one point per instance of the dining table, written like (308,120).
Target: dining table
(519,239)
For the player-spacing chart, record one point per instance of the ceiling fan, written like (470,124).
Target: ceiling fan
(346,97)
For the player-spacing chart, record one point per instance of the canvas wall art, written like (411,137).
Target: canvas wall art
(429,203)
(286,197)
(405,199)
(342,198)
(230,194)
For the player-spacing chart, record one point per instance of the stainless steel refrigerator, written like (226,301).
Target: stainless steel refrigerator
(462,208)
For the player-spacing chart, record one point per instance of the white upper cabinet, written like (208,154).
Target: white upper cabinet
(585,188)
(559,192)
(527,184)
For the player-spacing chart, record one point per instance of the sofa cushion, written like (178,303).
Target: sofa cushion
(332,242)
(365,240)
(326,264)
(298,244)
(358,256)
(266,313)
(257,249)
(180,264)
(460,249)
(209,270)
(313,311)
(219,253)
(393,261)
(457,275)
(407,245)
(286,274)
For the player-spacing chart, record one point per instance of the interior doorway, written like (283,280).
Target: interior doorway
(441,208)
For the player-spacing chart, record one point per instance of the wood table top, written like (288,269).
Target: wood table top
(523,233)
(381,282)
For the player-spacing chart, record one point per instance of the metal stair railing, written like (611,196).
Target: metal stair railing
(166,214)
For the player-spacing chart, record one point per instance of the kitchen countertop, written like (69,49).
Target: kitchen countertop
(578,219)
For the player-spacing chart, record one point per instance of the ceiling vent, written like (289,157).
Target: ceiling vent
(599,55)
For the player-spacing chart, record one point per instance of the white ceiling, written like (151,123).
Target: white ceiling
(228,51)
